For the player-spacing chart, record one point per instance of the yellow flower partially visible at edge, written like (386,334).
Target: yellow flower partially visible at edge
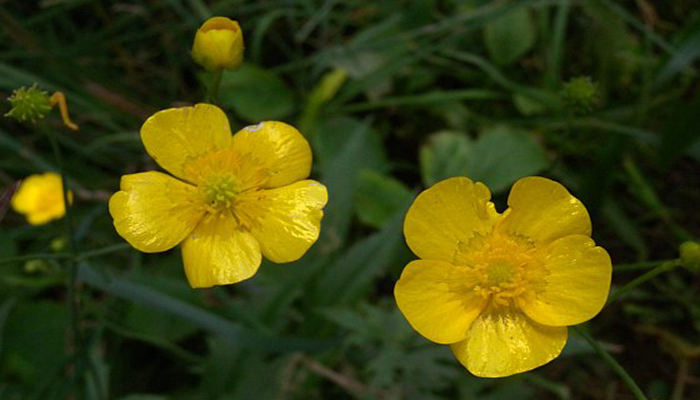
(501,289)
(40,198)
(233,197)
(218,44)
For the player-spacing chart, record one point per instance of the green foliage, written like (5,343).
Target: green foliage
(500,156)
(510,36)
(393,96)
(256,94)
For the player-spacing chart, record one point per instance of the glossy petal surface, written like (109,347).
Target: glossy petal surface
(176,136)
(436,299)
(218,252)
(153,211)
(276,147)
(287,220)
(445,217)
(543,210)
(503,341)
(576,286)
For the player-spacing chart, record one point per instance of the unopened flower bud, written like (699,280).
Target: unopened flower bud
(218,44)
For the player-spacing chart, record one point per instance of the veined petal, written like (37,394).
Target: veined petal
(577,284)
(278,148)
(175,136)
(543,210)
(219,252)
(444,218)
(437,300)
(503,342)
(286,221)
(153,211)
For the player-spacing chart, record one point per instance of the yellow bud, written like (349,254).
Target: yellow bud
(218,44)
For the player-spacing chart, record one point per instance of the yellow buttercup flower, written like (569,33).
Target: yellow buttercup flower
(40,198)
(232,197)
(501,289)
(218,44)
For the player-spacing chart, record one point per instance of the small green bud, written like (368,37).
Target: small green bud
(581,95)
(36,266)
(690,255)
(58,244)
(29,104)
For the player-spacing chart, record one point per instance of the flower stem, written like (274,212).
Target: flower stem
(626,378)
(665,267)
(75,335)
(214,89)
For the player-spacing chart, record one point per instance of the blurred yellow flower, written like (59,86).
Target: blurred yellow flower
(233,197)
(501,289)
(218,44)
(40,198)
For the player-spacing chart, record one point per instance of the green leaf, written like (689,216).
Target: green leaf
(527,105)
(351,275)
(256,94)
(498,158)
(379,197)
(509,37)
(445,155)
(503,155)
(344,147)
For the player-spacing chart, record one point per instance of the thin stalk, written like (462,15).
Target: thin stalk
(626,378)
(214,89)
(60,256)
(643,265)
(560,24)
(75,334)
(665,267)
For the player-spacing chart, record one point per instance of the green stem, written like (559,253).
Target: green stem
(665,267)
(561,21)
(75,336)
(643,265)
(214,89)
(626,378)
(84,256)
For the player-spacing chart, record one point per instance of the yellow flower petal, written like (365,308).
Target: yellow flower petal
(576,286)
(218,252)
(40,198)
(437,300)
(445,217)
(503,342)
(543,210)
(153,211)
(287,220)
(278,148)
(176,136)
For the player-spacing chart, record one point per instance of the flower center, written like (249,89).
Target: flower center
(220,192)
(499,273)
(504,268)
